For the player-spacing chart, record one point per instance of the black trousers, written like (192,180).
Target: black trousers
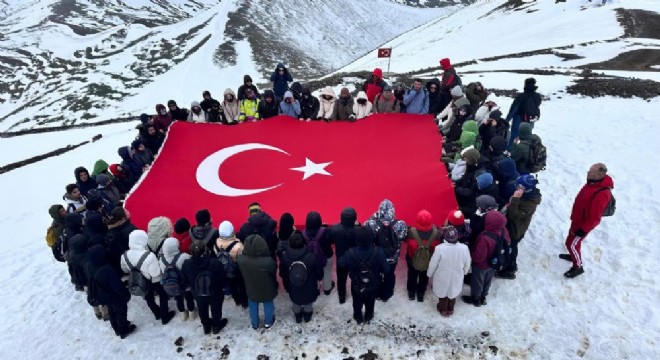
(367,301)
(417,280)
(386,289)
(215,305)
(190,301)
(513,266)
(160,312)
(342,277)
(238,292)
(118,317)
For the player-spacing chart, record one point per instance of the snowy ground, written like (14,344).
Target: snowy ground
(610,312)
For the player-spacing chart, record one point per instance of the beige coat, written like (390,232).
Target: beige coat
(235,251)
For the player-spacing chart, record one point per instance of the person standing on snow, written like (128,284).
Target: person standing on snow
(374,85)
(588,208)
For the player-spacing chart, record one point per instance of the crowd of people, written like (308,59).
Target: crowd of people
(492,161)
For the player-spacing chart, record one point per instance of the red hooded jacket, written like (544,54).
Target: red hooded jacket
(484,246)
(373,88)
(587,209)
(424,224)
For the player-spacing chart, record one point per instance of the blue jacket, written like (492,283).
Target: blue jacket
(280,81)
(290,109)
(417,102)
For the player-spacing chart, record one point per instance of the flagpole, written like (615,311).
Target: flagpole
(389,59)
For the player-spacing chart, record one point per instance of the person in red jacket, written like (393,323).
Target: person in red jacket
(162,120)
(429,235)
(482,252)
(182,233)
(374,85)
(588,209)
(449,80)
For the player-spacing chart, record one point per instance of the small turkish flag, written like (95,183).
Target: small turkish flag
(292,166)
(384,52)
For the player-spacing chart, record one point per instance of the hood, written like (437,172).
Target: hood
(255,246)
(99,167)
(74,221)
(103,181)
(507,169)
(296,254)
(362,95)
(378,73)
(467,139)
(170,247)
(124,153)
(313,223)
(385,211)
(96,256)
(424,221)
(286,226)
(288,94)
(435,81)
(269,93)
(494,221)
(193,104)
(79,170)
(328,91)
(259,219)
(113,170)
(137,240)
(525,131)
(159,228)
(534,196)
(484,180)
(364,237)
(348,217)
(78,244)
(246,79)
(144,118)
(229,91)
(160,107)
(306,91)
(280,66)
(470,126)
(54,212)
(200,231)
(530,85)
(445,63)
(498,143)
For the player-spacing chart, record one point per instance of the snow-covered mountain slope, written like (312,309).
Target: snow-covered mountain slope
(71,61)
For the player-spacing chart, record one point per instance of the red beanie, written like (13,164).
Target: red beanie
(378,72)
(424,221)
(455,218)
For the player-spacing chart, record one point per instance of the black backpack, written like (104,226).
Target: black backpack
(230,266)
(298,273)
(530,108)
(58,247)
(172,278)
(202,285)
(314,246)
(537,156)
(138,285)
(366,279)
(501,257)
(387,239)
(611,205)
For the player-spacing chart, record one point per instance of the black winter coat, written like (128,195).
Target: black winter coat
(78,258)
(306,294)
(343,234)
(313,224)
(309,107)
(262,224)
(195,265)
(105,286)
(362,252)
(119,242)
(466,188)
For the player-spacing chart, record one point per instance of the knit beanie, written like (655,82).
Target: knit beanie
(486,202)
(203,217)
(424,221)
(136,143)
(457,91)
(102,179)
(484,180)
(471,156)
(181,226)
(456,218)
(528,182)
(450,234)
(226,230)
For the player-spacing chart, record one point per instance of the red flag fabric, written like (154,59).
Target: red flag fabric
(292,166)
(384,52)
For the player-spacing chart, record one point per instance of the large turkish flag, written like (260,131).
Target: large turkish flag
(292,166)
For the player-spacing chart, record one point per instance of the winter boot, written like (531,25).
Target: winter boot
(469,300)
(217,329)
(97,312)
(299,317)
(420,297)
(130,330)
(328,292)
(342,299)
(185,315)
(104,312)
(168,317)
(450,307)
(483,301)
(307,316)
(574,272)
(411,295)
(505,274)
(566,257)
(207,329)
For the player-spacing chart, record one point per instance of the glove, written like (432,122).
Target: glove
(351,118)
(579,232)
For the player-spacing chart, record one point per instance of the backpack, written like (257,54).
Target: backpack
(314,246)
(58,247)
(138,285)
(422,257)
(366,281)
(157,247)
(386,239)
(531,112)
(298,273)
(51,238)
(537,156)
(611,205)
(227,262)
(172,278)
(202,285)
(502,255)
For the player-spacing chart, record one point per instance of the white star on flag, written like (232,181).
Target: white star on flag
(312,168)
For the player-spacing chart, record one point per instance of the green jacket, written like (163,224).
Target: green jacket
(519,214)
(258,269)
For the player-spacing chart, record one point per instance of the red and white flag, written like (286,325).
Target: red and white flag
(292,166)
(384,52)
